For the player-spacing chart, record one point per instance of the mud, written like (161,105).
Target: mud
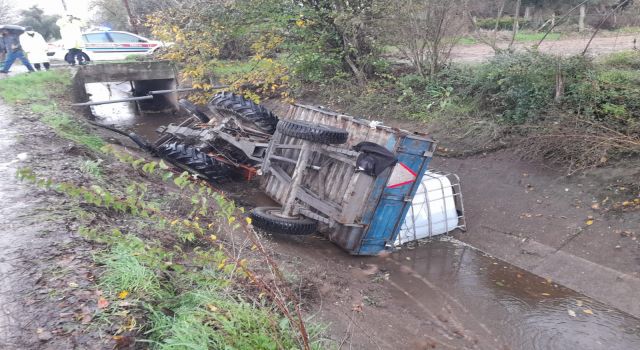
(47,295)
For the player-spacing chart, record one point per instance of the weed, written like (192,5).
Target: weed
(125,270)
(194,299)
(92,168)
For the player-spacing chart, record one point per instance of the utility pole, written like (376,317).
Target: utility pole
(64,5)
(132,21)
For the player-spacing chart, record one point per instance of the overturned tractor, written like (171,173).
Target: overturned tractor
(349,178)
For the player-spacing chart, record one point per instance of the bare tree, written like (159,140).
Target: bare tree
(488,38)
(7,14)
(425,31)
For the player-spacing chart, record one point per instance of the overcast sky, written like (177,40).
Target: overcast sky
(80,8)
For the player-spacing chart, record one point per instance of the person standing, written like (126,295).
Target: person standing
(71,32)
(3,51)
(35,47)
(14,51)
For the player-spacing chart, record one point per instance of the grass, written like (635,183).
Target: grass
(34,87)
(535,36)
(520,37)
(467,41)
(66,126)
(628,30)
(171,295)
(195,307)
(624,60)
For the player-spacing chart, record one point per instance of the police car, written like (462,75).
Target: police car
(107,45)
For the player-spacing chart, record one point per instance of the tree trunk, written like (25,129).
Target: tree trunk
(132,21)
(559,84)
(516,23)
(583,14)
(527,12)
(362,80)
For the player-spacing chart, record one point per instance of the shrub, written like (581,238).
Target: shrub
(504,23)
(519,87)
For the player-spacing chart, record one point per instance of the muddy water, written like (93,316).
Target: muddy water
(496,304)
(124,115)
(525,311)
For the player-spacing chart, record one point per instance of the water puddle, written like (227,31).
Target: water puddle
(495,303)
(525,311)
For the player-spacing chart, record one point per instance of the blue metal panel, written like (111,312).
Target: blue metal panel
(391,206)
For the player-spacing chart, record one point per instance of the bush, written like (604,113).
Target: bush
(519,87)
(504,23)
(607,95)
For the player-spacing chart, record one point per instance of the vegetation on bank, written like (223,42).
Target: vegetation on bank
(38,92)
(574,111)
(180,266)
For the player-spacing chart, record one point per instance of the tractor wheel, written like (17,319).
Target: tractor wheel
(194,160)
(245,110)
(318,133)
(271,219)
(193,110)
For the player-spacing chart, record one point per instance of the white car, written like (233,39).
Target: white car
(109,45)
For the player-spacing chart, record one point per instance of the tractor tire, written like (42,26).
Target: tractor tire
(245,110)
(85,58)
(194,160)
(267,219)
(193,110)
(317,133)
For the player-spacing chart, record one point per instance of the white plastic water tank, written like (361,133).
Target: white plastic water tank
(433,209)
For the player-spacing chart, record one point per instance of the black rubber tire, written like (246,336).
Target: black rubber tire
(318,133)
(263,217)
(245,110)
(85,57)
(193,110)
(193,159)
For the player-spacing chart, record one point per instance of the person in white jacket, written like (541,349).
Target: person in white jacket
(71,32)
(35,47)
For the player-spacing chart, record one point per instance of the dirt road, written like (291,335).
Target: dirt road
(46,271)
(566,47)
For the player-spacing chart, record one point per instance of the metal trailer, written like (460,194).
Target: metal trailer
(360,213)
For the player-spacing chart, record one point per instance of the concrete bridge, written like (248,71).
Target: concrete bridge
(144,77)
